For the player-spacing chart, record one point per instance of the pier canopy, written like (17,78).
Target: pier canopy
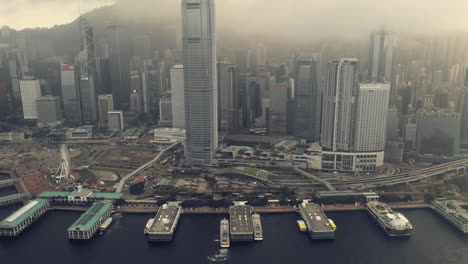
(80,196)
(23,213)
(91,216)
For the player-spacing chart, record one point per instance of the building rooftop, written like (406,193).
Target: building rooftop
(91,216)
(48,98)
(53,194)
(315,218)
(111,196)
(240,219)
(88,193)
(164,220)
(24,212)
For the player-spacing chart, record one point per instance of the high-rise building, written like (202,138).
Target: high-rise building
(30,89)
(177,90)
(142,46)
(338,112)
(410,130)
(115,120)
(393,124)
(382,45)
(200,81)
(371,117)
(165,110)
(136,96)
(261,59)
(278,114)
(306,97)
(119,56)
(15,75)
(441,99)
(105,105)
(71,103)
(86,62)
(438,133)
(154,81)
(49,112)
(228,97)
(135,102)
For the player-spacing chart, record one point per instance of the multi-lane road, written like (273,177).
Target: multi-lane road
(405,177)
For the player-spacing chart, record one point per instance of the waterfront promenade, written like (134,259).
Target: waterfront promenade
(256,209)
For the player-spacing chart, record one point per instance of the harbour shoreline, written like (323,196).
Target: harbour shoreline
(256,209)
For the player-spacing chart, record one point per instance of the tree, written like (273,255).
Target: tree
(137,188)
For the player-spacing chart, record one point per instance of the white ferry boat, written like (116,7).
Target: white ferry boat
(393,223)
(224,234)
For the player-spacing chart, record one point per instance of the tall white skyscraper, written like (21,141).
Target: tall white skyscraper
(382,45)
(30,90)
(200,81)
(177,86)
(338,111)
(371,116)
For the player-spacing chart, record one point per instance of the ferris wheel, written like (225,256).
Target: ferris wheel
(63,172)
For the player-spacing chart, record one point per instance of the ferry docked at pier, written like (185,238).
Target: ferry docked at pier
(393,223)
(224,240)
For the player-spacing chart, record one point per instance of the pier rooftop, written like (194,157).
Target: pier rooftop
(241,219)
(91,216)
(23,213)
(89,194)
(315,218)
(451,207)
(165,219)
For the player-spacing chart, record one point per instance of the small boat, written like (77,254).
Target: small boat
(302,226)
(332,223)
(105,225)
(148,225)
(224,239)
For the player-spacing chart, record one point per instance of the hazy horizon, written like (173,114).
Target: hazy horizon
(272,17)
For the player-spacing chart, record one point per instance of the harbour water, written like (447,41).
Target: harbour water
(358,240)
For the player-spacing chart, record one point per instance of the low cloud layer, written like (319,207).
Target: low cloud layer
(292,18)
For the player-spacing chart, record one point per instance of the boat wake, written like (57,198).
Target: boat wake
(220,256)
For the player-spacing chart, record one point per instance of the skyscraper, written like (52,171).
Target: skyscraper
(116,122)
(177,90)
(135,102)
(393,122)
(371,117)
(228,94)
(165,111)
(382,45)
(30,89)
(154,81)
(87,65)
(119,68)
(71,104)
(49,112)
(338,112)
(105,105)
(307,112)
(277,122)
(200,81)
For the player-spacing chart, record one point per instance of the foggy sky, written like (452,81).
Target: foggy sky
(292,18)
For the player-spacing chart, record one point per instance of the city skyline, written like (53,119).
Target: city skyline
(254,125)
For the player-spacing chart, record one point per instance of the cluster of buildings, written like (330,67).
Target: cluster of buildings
(352,113)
